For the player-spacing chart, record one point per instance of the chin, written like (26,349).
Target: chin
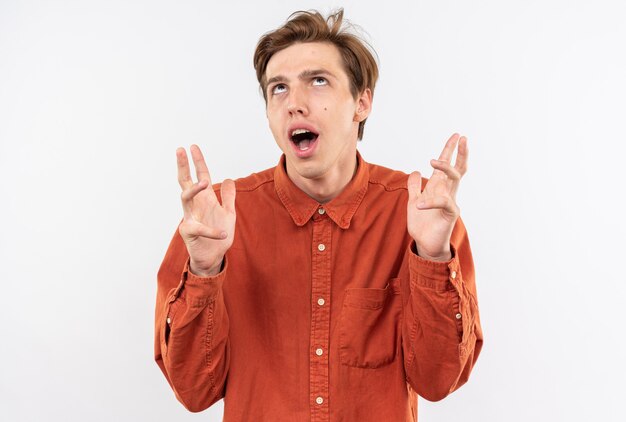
(309,170)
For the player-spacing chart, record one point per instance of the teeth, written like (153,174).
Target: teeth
(299,131)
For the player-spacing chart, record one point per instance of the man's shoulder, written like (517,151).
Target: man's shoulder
(387,178)
(252,182)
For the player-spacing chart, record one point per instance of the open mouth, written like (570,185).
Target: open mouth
(303,138)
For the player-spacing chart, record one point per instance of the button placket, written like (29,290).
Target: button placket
(320,316)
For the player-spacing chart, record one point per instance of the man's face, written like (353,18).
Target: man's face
(312,114)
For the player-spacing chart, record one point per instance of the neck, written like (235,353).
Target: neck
(329,185)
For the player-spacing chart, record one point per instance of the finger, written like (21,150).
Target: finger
(461,156)
(193,190)
(194,228)
(448,150)
(445,167)
(184,176)
(202,171)
(188,194)
(228,192)
(438,202)
(414,185)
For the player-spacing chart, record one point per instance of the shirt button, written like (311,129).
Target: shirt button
(321,301)
(453,275)
(319,352)
(169,321)
(322,211)
(319,400)
(321,247)
(458,316)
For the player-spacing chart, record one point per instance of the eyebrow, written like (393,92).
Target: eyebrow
(305,74)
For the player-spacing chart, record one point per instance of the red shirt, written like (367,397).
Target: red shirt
(321,312)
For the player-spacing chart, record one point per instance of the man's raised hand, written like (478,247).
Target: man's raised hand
(431,214)
(208,227)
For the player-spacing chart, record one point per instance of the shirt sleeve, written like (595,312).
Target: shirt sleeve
(191,330)
(442,335)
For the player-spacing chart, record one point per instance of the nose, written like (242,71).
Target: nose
(296,103)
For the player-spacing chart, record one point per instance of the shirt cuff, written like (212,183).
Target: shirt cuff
(438,275)
(201,290)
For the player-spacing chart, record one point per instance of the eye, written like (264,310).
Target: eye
(320,81)
(278,89)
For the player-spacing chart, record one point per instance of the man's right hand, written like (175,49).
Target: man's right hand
(208,227)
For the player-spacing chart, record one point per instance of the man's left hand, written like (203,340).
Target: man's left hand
(431,214)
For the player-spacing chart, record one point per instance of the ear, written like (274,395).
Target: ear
(363,106)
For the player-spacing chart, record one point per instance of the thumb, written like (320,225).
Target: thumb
(228,192)
(414,186)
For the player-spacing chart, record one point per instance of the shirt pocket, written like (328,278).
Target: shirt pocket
(369,326)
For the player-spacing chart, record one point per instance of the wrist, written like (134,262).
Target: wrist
(442,256)
(205,271)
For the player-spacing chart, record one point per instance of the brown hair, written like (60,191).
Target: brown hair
(310,26)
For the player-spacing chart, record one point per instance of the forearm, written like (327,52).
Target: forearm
(191,332)
(196,355)
(441,332)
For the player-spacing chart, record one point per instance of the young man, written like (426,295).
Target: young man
(330,289)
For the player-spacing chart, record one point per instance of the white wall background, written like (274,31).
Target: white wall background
(96,95)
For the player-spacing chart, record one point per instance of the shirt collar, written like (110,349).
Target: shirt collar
(340,209)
